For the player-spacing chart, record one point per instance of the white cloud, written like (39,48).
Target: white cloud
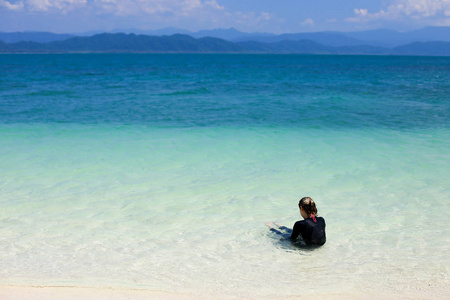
(214,4)
(189,14)
(131,7)
(308,22)
(360,12)
(409,9)
(43,5)
(250,20)
(11,6)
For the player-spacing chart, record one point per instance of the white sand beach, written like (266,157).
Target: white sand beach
(89,293)
(72,293)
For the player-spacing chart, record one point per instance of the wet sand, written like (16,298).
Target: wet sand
(88,293)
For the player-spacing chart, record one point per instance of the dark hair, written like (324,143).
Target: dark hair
(308,206)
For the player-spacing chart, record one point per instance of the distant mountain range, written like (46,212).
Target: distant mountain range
(379,38)
(120,42)
(30,36)
(428,41)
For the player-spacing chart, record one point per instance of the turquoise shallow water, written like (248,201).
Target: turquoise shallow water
(159,172)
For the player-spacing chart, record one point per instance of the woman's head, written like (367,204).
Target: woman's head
(308,206)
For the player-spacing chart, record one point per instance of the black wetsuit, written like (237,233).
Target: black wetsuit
(307,231)
(313,233)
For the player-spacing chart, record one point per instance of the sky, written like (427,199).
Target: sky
(271,16)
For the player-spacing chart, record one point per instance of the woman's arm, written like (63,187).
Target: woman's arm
(287,231)
(296,231)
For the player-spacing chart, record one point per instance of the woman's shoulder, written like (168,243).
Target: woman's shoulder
(320,219)
(300,223)
(311,221)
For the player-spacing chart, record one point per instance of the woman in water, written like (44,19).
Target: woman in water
(311,229)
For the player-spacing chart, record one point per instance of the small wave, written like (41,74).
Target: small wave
(50,93)
(188,92)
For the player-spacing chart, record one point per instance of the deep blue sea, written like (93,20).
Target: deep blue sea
(159,171)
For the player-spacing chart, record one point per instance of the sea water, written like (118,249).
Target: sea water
(160,171)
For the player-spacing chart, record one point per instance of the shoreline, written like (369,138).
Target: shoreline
(18,292)
(229,53)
